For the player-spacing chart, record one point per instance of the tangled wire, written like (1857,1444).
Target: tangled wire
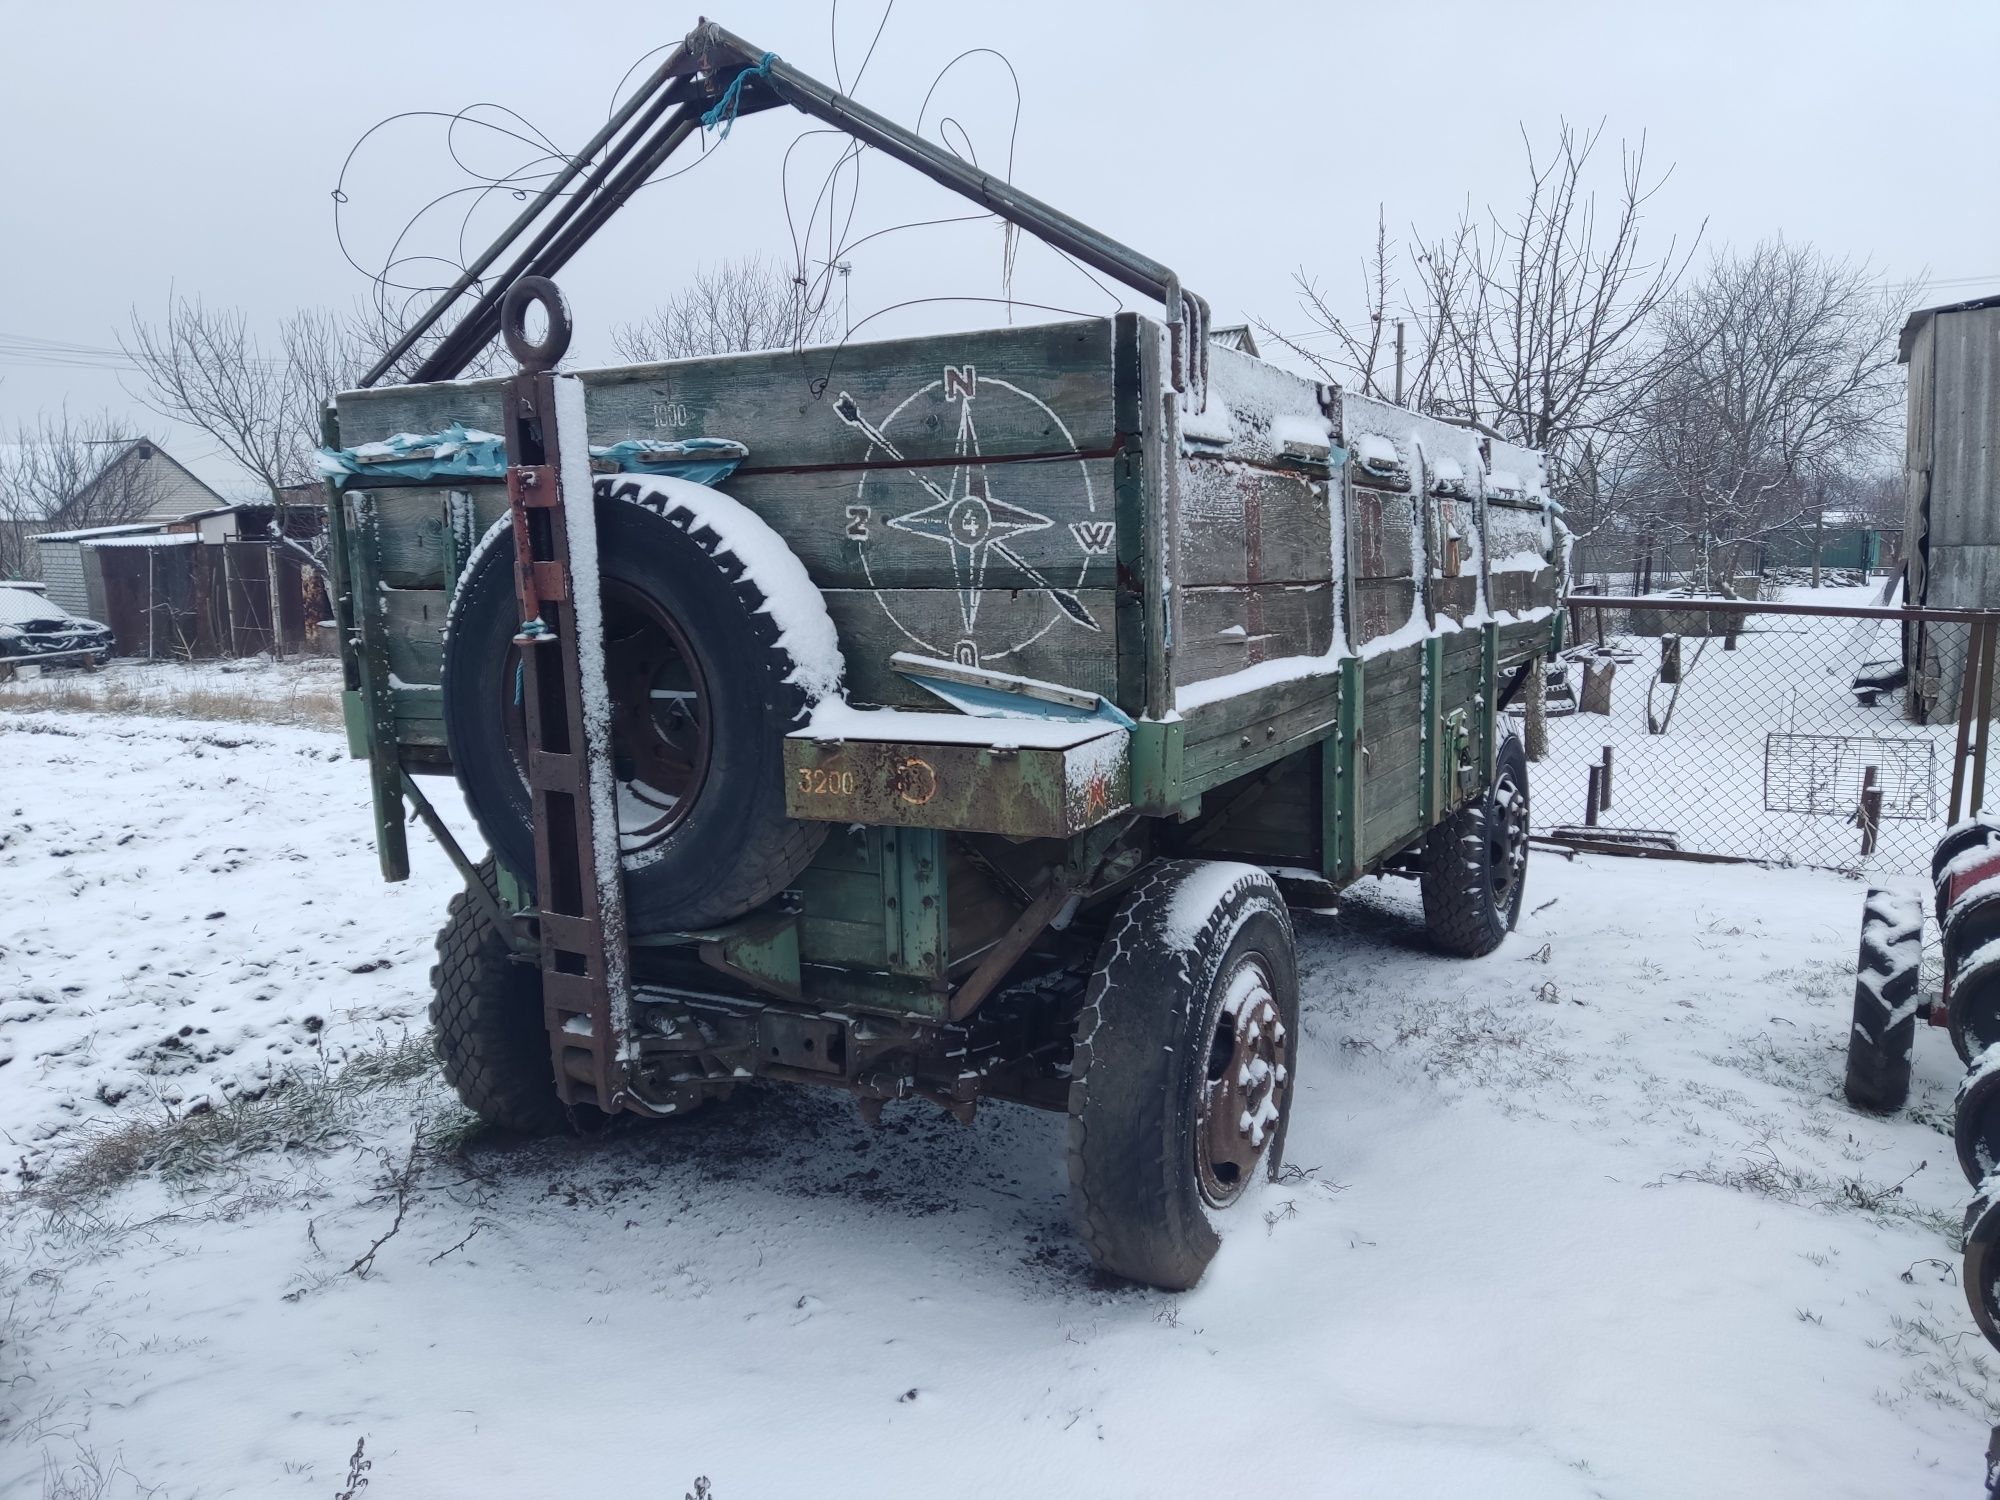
(436,246)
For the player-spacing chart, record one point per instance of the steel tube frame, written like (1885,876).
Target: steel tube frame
(711,50)
(674,66)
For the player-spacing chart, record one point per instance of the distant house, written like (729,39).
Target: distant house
(135,482)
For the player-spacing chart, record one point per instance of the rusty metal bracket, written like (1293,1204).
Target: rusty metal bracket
(579,884)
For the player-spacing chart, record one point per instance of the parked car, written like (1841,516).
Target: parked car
(34,628)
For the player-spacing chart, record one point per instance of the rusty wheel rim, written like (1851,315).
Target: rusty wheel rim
(661,730)
(1243,1087)
(1507,837)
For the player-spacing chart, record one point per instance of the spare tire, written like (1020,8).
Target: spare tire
(716,644)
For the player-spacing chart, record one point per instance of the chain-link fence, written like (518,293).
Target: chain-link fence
(1804,734)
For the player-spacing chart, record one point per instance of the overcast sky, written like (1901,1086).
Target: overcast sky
(195,146)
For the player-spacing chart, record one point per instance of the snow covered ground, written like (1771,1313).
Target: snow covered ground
(1585,1218)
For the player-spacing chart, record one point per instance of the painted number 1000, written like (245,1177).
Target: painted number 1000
(817,783)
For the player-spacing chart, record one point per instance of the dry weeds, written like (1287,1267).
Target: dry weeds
(307,698)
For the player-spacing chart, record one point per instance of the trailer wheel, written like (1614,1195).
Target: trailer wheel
(486,1023)
(1476,862)
(1885,989)
(1181,1083)
(704,687)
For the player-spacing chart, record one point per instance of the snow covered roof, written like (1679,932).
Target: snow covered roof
(167,539)
(96,531)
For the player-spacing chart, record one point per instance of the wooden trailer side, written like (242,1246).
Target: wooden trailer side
(867,460)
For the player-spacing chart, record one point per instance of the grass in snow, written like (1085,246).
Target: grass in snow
(304,694)
(316,1108)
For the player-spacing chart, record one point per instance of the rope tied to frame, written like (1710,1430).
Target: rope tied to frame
(533,629)
(723,111)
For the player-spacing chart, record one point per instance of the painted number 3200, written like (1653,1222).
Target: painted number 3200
(817,783)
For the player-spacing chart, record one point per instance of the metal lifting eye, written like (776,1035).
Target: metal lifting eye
(528,292)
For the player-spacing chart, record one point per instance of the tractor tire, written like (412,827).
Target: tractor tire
(1181,1083)
(1975,1118)
(1981,1274)
(486,1023)
(705,683)
(1961,838)
(1972,1002)
(1475,863)
(1885,993)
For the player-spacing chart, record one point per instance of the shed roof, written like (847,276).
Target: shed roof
(1923,315)
(128,528)
(163,539)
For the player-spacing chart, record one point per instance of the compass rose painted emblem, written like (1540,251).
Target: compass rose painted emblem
(957,508)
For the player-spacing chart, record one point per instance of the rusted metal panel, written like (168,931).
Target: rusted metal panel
(1028,792)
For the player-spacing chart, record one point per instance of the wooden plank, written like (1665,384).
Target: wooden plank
(1241,524)
(1381,607)
(1229,628)
(784,403)
(1380,543)
(843,523)
(1254,408)
(1454,598)
(413,628)
(1235,735)
(1129,485)
(1040,639)
(410,526)
(419,715)
(1516,591)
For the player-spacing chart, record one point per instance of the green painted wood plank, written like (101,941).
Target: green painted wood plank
(785,404)
(1037,638)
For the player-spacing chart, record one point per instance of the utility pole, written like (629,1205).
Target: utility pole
(1399,361)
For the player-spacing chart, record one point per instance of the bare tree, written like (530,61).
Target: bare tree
(367,334)
(1364,354)
(737,306)
(1533,322)
(205,366)
(65,473)
(1781,374)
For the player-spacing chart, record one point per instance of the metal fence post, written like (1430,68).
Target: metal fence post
(1870,814)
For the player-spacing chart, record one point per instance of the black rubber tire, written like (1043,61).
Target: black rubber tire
(1975,833)
(1975,1118)
(1972,1004)
(1141,1059)
(736,847)
(1982,1259)
(1471,899)
(1885,986)
(486,1023)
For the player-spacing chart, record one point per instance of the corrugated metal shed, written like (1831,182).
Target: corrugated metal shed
(62,571)
(1950,467)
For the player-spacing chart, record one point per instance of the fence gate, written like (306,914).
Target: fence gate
(1839,735)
